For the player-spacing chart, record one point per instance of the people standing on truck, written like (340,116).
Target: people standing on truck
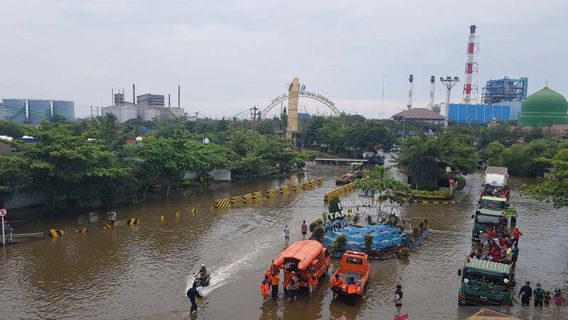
(304,230)
(191,294)
(517,235)
(312,282)
(274,280)
(525,293)
(538,294)
(336,285)
(265,287)
(286,234)
(292,290)
(398,299)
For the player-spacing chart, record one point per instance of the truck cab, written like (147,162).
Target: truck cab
(486,283)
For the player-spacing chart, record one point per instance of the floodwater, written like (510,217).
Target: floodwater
(142,272)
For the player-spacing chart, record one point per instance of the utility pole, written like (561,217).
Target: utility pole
(254,111)
(449,83)
(196,114)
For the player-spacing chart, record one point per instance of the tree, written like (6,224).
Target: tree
(554,189)
(495,154)
(387,188)
(333,206)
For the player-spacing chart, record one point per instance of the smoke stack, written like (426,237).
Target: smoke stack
(169,105)
(411,81)
(179,96)
(133,93)
(468,85)
(432,89)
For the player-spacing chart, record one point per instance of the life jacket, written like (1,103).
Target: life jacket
(312,280)
(287,278)
(264,288)
(275,279)
(336,283)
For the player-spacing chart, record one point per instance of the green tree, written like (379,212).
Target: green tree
(387,188)
(554,189)
(495,154)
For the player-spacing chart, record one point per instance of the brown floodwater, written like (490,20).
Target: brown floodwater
(142,272)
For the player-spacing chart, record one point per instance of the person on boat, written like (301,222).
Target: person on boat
(304,230)
(336,285)
(191,294)
(265,287)
(398,299)
(292,290)
(274,280)
(517,235)
(526,293)
(111,217)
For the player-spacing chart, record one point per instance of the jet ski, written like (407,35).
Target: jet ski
(201,281)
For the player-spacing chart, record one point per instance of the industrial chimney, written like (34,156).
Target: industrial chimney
(411,81)
(432,89)
(468,86)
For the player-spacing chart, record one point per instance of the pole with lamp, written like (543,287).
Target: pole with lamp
(449,83)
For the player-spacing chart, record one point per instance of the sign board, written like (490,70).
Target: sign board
(451,181)
(3,212)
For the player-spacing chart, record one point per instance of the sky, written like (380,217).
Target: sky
(229,56)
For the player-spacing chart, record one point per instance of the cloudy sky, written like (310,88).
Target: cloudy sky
(231,55)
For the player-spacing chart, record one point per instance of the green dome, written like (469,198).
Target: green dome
(544,108)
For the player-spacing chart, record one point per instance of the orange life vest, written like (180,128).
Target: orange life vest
(264,289)
(275,279)
(287,278)
(312,280)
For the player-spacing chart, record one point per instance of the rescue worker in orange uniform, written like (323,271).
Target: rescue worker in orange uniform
(312,282)
(265,287)
(287,277)
(274,280)
(336,284)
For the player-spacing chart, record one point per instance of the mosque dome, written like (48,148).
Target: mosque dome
(544,108)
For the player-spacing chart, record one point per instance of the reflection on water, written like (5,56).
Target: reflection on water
(143,271)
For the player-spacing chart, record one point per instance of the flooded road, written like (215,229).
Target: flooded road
(142,272)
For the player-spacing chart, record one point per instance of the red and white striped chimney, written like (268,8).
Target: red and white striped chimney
(468,85)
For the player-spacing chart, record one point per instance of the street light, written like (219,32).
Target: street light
(449,83)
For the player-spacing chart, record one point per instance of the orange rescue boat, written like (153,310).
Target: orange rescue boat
(353,271)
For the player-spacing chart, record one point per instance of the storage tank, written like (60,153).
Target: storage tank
(14,110)
(64,110)
(38,111)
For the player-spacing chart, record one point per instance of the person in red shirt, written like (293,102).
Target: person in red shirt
(490,233)
(517,235)
(495,253)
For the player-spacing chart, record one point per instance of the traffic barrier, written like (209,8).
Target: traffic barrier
(270,193)
(194,210)
(284,189)
(178,214)
(319,181)
(107,226)
(296,186)
(426,202)
(222,203)
(55,233)
(339,191)
(238,201)
(80,230)
(133,221)
(257,196)
(162,219)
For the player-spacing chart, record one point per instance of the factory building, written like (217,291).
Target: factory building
(544,109)
(35,111)
(149,107)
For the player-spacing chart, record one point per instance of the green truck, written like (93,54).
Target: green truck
(485,219)
(486,283)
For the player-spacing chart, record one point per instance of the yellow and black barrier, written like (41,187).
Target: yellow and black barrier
(257,196)
(284,189)
(80,230)
(107,226)
(133,221)
(270,193)
(194,210)
(238,201)
(426,202)
(339,191)
(319,181)
(222,203)
(296,186)
(56,233)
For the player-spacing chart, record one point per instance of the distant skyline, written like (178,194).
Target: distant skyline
(231,55)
